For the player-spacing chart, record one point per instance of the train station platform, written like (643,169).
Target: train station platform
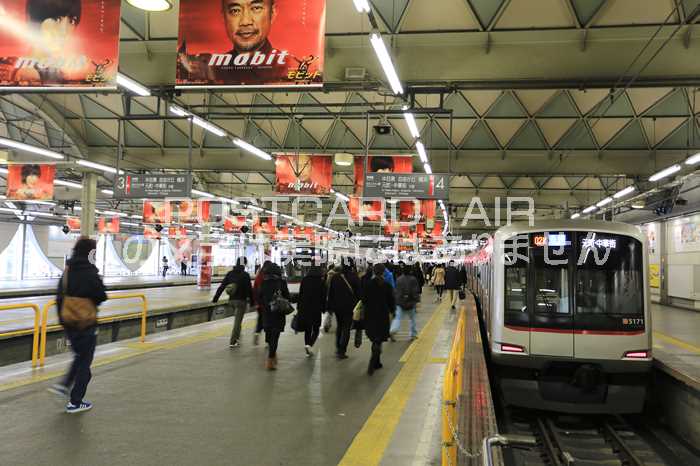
(677,342)
(185,398)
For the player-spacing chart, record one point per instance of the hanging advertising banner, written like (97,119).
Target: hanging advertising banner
(150,233)
(189,211)
(177,232)
(265,226)
(371,210)
(59,43)
(30,182)
(303,174)
(205,267)
(156,212)
(73,223)
(224,43)
(108,225)
(234,224)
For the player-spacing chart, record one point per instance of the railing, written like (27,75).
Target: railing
(35,333)
(143,314)
(451,390)
(504,441)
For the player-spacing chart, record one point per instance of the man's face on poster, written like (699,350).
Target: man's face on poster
(248,22)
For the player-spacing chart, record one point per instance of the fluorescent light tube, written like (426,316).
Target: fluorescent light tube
(693,159)
(4,170)
(69,184)
(342,196)
(11,205)
(428,170)
(624,192)
(27,148)
(604,202)
(411,122)
(665,172)
(421,152)
(362,6)
(197,192)
(98,166)
(252,149)
(208,126)
(589,209)
(31,201)
(109,192)
(576,215)
(178,111)
(385,60)
(139,217)
(132,85)
(255,208)
(115,214)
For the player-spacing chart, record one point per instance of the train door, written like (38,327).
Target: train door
(551,313)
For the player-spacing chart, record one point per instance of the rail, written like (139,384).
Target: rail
(143,314)
(451,390)
(504,441)
(35,333)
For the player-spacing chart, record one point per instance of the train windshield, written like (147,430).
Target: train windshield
(609,275)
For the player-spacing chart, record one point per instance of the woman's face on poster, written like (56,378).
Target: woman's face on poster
(56,33)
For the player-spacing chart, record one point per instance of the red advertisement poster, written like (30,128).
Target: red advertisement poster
(265,226)
(251,42)
(183,249)
(73,223)
(304,174)
(189,211)
(234,224)
(59,43)
(372,210)
(150,233)
(30,182)
(177,232)
(156,212)
(108,225)
(205,267)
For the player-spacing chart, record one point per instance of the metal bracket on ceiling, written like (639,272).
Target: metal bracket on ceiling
(487,45)
(584,40)
(687,37)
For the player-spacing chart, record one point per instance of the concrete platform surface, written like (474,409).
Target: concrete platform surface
(677,343)
(170,298)
(185,398)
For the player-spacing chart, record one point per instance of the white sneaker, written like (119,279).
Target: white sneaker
(83,406)
(307,348)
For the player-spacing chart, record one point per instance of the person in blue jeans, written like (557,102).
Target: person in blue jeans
(407,296)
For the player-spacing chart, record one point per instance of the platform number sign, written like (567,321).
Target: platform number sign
(153,186)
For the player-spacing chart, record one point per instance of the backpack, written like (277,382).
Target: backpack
(231,289)
(280,304)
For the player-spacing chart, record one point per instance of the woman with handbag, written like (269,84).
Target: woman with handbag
(311,305)
(275,298)
(80,291)
(377,303)
(342,297)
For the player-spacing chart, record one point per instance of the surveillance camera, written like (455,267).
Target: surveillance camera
(65,229)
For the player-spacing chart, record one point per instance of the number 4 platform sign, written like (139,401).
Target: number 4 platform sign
(407,185)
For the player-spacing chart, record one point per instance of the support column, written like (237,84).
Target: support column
(88,198)
(663,262)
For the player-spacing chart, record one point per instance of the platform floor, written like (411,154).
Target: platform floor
(677,342)
(185,398)
(172,298)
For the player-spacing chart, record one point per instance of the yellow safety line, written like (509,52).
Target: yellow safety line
(438,361)
(369,445)
(136,349)
(676,342)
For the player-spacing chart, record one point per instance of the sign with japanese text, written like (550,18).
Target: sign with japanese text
(407,185)
(152,186)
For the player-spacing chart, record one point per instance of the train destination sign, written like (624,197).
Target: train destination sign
(407,185)
(152,186)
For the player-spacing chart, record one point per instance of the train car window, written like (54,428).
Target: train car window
(550,254)
(609,276)
(515,260)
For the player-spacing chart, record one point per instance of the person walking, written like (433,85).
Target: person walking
(80,291)
(342,298)
(237,285)
(439,281)
(453,283)
(407,295)
(257,284)
(378,303)
(311,304)
(328,319)
(165,265)
(183,267)
(273,286)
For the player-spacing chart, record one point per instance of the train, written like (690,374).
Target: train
(564,307)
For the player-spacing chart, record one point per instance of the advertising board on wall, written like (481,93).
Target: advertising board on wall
(251,43)
(303,174)
(30,182)
(67,43)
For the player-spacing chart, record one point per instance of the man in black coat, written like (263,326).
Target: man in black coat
(378,304)
(453,283)
(343,295)
(311,304)
(81,279)
(240,293)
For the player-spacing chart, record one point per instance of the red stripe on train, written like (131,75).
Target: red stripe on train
(575,332)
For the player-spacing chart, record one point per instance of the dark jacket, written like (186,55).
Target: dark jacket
(418,273)
(341,297)
(407,292)
(312,299)
(453,280)
(272,282)
(378,303)
(244,290)
(83,282)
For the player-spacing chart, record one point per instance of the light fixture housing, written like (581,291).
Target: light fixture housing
(624,192)
(604,202)
(197,192)
(411,122)
(665,172)
(27,148)
(151,5)
(343,159)
(589,209)
(68,184)
(252,149)
(132,86)
(385,60)
(421,152)
(575,216)
(693,159)
(99,166)
(362,6)
(428,169)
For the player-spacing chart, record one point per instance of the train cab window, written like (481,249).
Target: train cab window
(609,276)
(550,254)
(515,260)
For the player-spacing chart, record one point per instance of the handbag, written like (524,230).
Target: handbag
(358,313)
(280,304)
(76,312)
(297,324)
(462,294)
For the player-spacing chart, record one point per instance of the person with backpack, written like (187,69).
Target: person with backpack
(237,285)
(378,303)
(407,294)
(343,295)
(80,291)
(275,299)
(311,304)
